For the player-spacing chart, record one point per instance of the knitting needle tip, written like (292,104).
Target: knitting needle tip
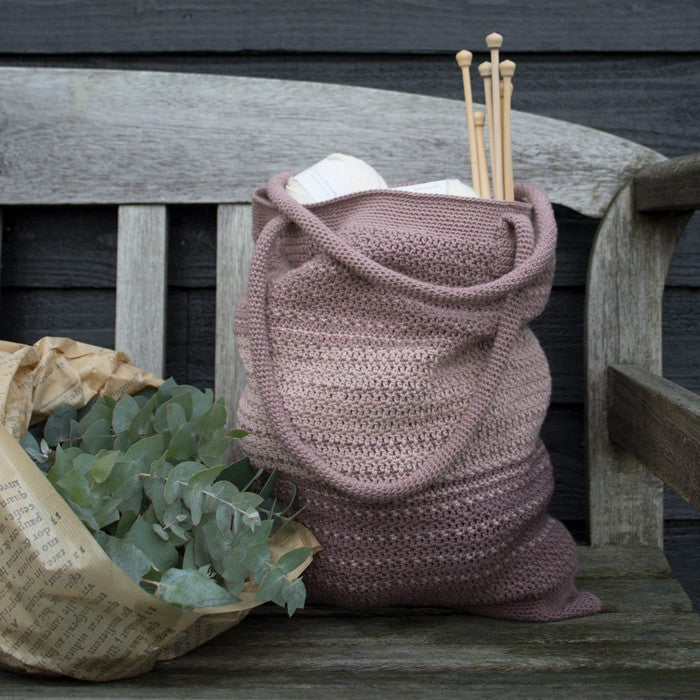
(507,68)
(494,40)
(464,58)
(485,69)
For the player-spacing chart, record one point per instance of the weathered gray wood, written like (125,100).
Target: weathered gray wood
(620,84)
(659,422)
(303,684)
(101,26)
(645,633)
(234,249)
(670,186)
(423,653)
(626,275)
(136,137)
(615,562)
(141,285)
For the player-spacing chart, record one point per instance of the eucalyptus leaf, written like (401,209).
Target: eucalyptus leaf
(178,479)
(259,560)
(124,412)
(239,473)
(75,486)
(146,451)
(194,495)
(215,545)
(140,423)
(29,442)
(63,462)
(294,559)
(103,465)
(188,556)
(161,553)
(98,436)
(175,416)
(160,417)
(267,489)
(294,596)
(191,588)
(129,558)
(98,411)
(273,583)
(125,523)
(236,434)
(57,426)
(183,443)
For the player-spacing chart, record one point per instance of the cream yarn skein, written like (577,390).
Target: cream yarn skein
(334,176)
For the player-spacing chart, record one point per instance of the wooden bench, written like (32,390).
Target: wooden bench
(144,140)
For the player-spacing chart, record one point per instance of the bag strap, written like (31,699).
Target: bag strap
(263,366)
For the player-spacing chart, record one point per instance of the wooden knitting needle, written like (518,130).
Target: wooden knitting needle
(494,42)
(507,71)
(464,60)
(485,73)
(481,153)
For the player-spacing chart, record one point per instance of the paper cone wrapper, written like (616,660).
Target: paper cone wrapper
(65,609)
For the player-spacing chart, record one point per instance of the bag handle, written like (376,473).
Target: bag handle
(263,366)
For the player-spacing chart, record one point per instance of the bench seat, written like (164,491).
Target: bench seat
(644,643)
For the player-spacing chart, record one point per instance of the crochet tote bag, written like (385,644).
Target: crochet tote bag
(392,376)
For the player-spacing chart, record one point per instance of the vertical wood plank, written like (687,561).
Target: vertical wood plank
(626,274)
(234,249)
(1,255)
(142,285)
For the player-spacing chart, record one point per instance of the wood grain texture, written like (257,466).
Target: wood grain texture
(624,88)
(644,636)
(624,293)
(198,678)
(141,285)
(101,26)
(659,422)
(234,250)
(670,186)
(136,137)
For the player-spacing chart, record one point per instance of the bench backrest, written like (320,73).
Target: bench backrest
(143,140)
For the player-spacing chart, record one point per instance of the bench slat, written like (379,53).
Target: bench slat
(304,683)
(646,639)
(74,136)
(234,248)
(350,653)
(142,286)
(659,422)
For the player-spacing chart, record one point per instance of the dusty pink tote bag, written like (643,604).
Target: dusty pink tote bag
(394,379)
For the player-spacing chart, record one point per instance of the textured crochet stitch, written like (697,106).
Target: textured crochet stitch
(393,378)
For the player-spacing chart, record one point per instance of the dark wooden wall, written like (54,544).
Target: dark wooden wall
(628,68)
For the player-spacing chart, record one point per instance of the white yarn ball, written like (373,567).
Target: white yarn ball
(334,176)
(459,189)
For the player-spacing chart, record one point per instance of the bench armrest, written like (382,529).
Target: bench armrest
(659,422)
(628,404)
(673,185)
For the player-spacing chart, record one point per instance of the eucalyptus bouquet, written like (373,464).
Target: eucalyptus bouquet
(148,476)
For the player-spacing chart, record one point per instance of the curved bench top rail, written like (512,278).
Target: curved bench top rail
(77,136)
